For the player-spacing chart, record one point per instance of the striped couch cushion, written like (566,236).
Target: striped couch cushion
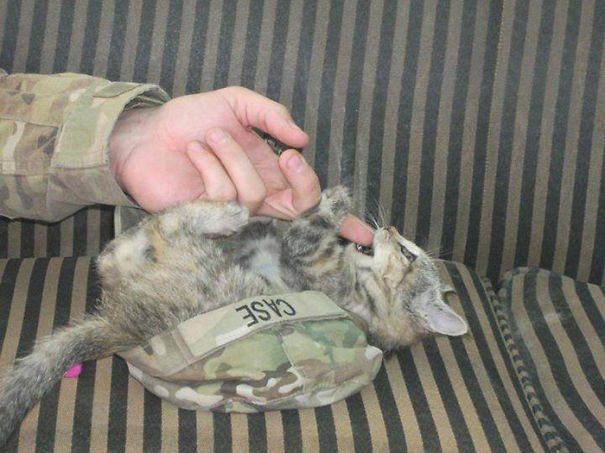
(444,113)
(559,329)
(449,394)
(83,234)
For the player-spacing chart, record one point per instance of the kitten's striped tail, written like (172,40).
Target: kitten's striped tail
(34,375)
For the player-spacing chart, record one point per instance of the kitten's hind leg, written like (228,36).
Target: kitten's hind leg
(204,217)
(134,251)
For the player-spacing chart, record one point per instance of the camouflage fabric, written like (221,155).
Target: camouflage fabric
(54,132)
(262,353)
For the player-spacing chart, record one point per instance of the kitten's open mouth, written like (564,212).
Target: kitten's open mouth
(366,250)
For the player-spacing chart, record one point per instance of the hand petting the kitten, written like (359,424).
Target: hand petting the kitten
(201,146)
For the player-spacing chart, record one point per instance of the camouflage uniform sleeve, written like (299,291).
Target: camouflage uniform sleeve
(54,134)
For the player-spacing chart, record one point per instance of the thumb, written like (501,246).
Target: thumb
(253,109)
(353,229)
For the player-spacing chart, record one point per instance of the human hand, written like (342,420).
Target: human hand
(175,153)
(302,194)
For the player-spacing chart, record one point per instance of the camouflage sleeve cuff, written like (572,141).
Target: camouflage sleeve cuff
(54,141)
(79,172)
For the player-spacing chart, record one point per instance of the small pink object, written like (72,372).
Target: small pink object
(74,371)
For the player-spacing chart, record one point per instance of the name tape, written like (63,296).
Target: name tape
(231,322)
(201,335)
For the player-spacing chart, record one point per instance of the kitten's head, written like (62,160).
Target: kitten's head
(402,294)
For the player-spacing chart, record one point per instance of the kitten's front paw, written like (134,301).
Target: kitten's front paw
(336,202)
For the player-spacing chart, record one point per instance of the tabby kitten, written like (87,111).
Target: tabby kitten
(202,255)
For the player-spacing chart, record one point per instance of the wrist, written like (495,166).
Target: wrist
(130,130)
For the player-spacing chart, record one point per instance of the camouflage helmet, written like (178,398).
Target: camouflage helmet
(263,353)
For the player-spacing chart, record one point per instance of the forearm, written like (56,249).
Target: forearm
(54,140)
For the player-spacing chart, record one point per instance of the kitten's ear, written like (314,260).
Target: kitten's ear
(441,319)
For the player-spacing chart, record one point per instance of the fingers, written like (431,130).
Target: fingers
(228,174)
(303,180)
(357,231)
(253,109)
(303,190)
(248,184)
(217,183)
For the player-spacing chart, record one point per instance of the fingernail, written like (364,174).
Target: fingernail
(296,163)
(217,135)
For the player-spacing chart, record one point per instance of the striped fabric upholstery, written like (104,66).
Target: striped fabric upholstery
(559,328)
(83,234)
(459,394)
(477,125)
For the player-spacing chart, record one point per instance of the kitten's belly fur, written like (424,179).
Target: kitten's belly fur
(264,261)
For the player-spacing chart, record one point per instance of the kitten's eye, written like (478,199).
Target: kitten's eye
(365,250)
(408,255)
